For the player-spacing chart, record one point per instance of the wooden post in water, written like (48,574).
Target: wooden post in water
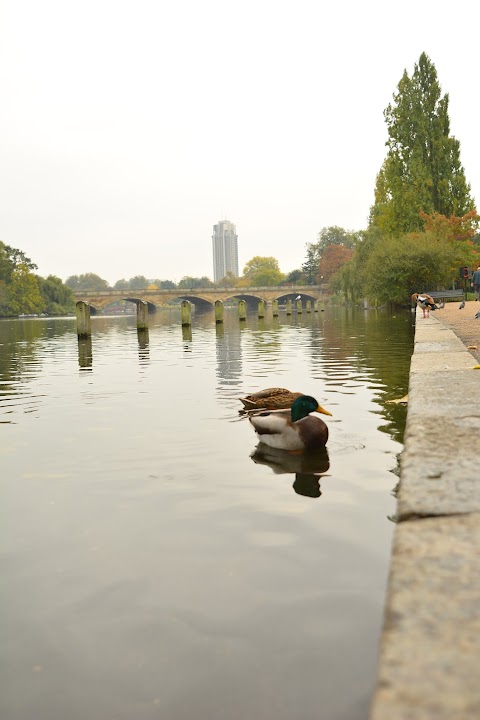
(186,313)
(142,337)
(242,310)
(309,306)
(85,352)
(187,333)
(84,328)
(275,308)
(261,309)
(288,306)
(315,306)
(299,307)
(142,315)
(322,305)
(218,312)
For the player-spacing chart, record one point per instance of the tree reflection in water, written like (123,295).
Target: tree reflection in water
(308,468)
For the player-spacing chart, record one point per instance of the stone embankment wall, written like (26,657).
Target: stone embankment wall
(429,664)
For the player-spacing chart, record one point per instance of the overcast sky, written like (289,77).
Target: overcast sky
(129,128)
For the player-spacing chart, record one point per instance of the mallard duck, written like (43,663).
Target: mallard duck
(270,399)
(293,429)
(425,302)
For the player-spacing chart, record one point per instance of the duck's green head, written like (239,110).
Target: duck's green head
(304,405)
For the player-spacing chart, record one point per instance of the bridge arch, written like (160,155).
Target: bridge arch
(247,296)
(289,295)
(151,306)
(200,302)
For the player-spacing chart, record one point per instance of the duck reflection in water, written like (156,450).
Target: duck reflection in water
(308,468)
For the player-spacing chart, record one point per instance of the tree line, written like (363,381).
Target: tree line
(422,227)
(259,271)
(24,292)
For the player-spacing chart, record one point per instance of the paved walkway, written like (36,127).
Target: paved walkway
(463,323)
(430,650)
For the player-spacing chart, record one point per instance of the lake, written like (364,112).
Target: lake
(150,567)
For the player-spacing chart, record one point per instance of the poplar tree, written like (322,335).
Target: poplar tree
(422,170)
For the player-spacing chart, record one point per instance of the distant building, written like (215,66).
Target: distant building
(225,250)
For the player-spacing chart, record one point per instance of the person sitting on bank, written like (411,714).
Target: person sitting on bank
(476,283)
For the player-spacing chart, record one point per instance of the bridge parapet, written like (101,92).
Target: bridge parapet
(100,299)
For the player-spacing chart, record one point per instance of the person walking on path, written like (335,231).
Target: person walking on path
(476,283)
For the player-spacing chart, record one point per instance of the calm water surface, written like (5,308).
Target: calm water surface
(150,568)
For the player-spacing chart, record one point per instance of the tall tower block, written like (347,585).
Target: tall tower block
(225,250)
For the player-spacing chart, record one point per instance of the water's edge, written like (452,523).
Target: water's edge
(429,655)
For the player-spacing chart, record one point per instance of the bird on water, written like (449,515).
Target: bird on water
(295,429)
(270,399)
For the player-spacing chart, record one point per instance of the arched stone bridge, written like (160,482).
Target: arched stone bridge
(201,297)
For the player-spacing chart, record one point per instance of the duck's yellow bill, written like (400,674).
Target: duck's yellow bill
(320,409)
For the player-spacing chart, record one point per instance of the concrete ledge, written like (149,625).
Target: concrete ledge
(440,466)
(430,652)
(429,658)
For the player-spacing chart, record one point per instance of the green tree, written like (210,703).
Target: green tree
(263,271)
(295,277)
(10,258)
(422,170)
(230,280)
(88,281)
(165,284)
(6,265)
(58,298)
(335,235)
(22,294)
(388,269)
(190,283)
(352,277)
(402,265)
(3,298)
(139,282)
(310,266)
(121,285)
(345,281)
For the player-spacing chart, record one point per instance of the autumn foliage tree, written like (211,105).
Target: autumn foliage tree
(334,256)
(453,228)
(458,232)
(332,235)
